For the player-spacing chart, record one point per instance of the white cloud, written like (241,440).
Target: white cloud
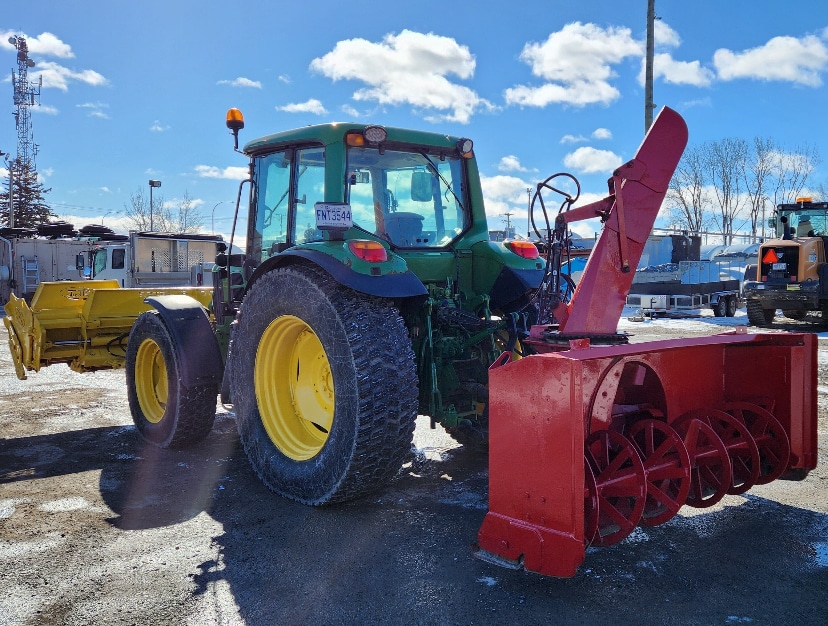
(157,127)
(678,72)
(47,171)
(511,163)
(664,35)
(781,59)
(96,109)
(349,110)
(311,106)
(409,68)
(230,173)
(601,133)
(577,64)
(56,76)
(284,78)
(586,160)
(241,81)
(504,194)
(573,139)
(45,44)
(45,108)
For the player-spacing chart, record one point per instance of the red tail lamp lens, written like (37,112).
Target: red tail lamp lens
(523,249)
(370,251)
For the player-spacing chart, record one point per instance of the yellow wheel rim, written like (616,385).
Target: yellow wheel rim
(151,385)
(294,388)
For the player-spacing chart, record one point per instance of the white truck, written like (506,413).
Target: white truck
(57,252)
(156,259)
(31,256)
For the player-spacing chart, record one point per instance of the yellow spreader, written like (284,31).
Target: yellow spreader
(82,323)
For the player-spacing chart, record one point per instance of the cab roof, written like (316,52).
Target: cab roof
(334,132)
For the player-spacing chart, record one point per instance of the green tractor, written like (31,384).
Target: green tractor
(369,293)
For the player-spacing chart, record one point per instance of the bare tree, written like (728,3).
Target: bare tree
(791,172)
(190,219)
(687,197)
(757,174)
(144,218)
(185,218)
(725,160)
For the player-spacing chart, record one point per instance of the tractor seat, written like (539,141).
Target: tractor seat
(804,229)
(404,229)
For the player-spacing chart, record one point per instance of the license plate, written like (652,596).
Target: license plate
(336,215)
(793,287)
(780,266)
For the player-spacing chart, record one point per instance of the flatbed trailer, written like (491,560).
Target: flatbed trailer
(687,288)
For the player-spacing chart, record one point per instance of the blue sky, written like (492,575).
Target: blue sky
(133,91)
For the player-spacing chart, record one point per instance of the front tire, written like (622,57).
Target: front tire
(165,412)
(324,386)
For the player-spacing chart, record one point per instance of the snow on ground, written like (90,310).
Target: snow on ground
(691,320)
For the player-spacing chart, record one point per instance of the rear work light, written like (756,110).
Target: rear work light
(370,136)
(524,249)
(370,251)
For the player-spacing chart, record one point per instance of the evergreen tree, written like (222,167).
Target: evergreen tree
(30,208)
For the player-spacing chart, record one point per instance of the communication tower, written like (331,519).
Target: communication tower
(26,95)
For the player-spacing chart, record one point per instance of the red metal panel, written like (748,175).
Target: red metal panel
(542,406)
(536,467)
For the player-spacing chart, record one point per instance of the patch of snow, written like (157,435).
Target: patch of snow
(487,580)
(9,506)
(65,504)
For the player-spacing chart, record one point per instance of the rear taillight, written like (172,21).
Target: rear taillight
(523,249)
(370,251)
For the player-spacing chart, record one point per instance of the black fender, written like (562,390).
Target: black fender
(196,346)
(400,285)
(510,289)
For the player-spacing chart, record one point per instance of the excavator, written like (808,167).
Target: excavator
(370,292)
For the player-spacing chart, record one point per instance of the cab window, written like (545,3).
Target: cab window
(409,198)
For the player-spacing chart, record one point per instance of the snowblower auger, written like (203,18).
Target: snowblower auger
(608,437)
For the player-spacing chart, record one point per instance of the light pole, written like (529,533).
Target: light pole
(213,216)
(152,184)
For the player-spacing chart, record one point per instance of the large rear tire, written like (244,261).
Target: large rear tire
(758,316)
(165,412)
(324,386)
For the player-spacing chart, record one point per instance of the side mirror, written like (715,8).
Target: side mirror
(421,190)
(772,223)
(80,263)
(221,259)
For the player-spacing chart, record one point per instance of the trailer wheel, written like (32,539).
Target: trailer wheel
(720,308)
(324,386)
(758,316)
(165,412)
(731,306)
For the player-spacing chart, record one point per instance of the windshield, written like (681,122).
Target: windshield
(804,222)
(411,199)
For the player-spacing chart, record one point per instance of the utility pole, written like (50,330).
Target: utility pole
(648,68)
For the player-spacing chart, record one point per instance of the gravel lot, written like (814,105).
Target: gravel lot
(97,528)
